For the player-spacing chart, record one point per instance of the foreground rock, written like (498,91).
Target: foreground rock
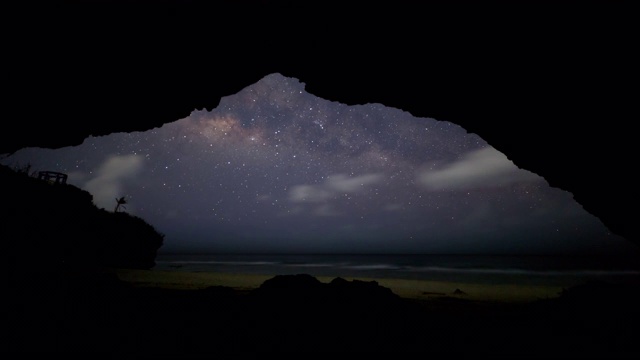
(298,313)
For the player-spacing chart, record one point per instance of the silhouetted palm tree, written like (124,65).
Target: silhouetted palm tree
(120,203)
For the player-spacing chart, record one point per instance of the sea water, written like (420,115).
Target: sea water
(493,269)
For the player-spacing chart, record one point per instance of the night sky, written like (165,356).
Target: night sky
(276,169)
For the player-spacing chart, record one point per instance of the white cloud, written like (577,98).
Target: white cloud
(344,184)
(332,186)
(486,167)
(106,185)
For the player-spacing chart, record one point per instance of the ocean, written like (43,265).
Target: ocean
(490,269)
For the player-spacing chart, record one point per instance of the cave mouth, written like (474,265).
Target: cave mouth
(530,85)
(276,169)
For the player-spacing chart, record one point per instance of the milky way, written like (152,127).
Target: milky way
(274,168)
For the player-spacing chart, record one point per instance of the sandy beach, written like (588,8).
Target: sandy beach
(405,288)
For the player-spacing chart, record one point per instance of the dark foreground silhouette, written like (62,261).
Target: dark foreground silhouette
(58,298)
(299,313)
(49,226)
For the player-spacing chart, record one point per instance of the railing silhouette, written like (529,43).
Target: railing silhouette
(53,177)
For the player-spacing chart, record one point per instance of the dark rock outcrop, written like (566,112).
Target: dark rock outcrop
(459,292)
(291,283)
(338,292)
(337,316)
(108,317)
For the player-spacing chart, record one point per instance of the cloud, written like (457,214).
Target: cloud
(344,184)
(311,193)
(486,167)
(106,185)
(331,187)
